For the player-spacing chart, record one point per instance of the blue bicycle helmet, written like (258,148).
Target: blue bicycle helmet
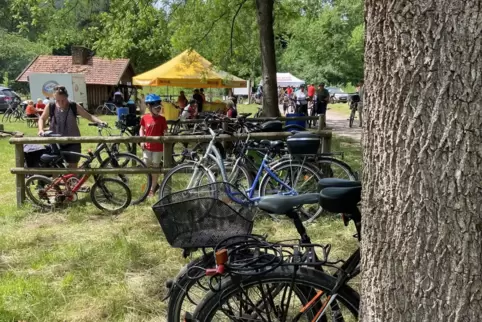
(153,99)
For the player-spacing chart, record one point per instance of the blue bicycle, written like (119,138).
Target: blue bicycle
(285,176)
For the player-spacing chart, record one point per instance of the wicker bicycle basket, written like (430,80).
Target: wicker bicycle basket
(204,216)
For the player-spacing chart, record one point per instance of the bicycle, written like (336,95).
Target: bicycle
(353,109)
(62,190)
(13,113)
(291,265)
(267,180)
(189,285)
(106,109)
(140,184)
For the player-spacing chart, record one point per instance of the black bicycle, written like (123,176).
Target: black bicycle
(193,283)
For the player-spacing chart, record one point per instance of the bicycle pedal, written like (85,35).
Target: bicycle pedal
(84,189)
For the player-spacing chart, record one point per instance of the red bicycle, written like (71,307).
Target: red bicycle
(107,194)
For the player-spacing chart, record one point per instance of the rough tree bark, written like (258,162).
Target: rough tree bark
(422,195)
(264,15)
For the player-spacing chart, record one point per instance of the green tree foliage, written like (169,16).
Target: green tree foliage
(315,39)
(135,30)
(223,31)
(327,44)
(16,52)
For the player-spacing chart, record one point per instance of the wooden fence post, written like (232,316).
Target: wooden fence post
(168,150)
(20,178)
(321,122)
(326,145)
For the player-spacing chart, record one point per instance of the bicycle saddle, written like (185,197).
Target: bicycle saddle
(280,204)
(272,144)
(335,182)
(341,199)
(48,158)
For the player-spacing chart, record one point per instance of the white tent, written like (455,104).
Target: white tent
(286,79)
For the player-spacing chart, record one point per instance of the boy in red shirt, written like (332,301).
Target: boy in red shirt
(153,124)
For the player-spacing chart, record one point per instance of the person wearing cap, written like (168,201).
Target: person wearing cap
(153,124)
(322,99)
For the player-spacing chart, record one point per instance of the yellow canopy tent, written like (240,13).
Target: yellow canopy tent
(190,70)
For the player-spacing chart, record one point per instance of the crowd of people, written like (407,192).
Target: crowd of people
(302,96)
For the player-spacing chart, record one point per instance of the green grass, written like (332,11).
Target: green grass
(81,265)
(340,108)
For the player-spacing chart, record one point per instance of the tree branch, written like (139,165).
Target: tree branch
(212,25)
(232,25)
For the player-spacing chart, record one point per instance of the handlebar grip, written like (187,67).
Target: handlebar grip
(93,124)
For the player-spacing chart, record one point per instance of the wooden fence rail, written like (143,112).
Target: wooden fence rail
(168,141)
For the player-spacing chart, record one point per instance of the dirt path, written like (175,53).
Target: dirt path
(338,123)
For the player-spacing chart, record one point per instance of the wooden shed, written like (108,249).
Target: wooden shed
(102,76)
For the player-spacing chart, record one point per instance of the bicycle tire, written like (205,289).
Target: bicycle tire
(182,285)
(99,110)
(5,116)
(307,215)
(32,197)
(345,168)
(181,297)
(304,279)
(352,117)
(165,188)
(139,184)
(111,196)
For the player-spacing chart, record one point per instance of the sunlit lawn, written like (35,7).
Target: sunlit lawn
(340,108)
(81,265)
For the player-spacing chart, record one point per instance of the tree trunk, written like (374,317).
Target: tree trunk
(422,178)
(264,14)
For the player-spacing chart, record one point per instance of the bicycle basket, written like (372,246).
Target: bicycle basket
(204,216)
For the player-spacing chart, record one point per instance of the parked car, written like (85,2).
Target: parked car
(7,95)
(337,95)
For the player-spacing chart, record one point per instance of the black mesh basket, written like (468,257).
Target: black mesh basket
(204,216)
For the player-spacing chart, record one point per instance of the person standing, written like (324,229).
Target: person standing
(301,100)
(62,115)
(322,99)
(311,92)
(198,97)
(153,124)
(181,100)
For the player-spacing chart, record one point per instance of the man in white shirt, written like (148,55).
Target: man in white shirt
(301,100)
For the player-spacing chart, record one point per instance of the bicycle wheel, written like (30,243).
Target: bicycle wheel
(279,295)
(5,116)
(334,168)
(110,195)
(139,184)
(40,192)
(190,286)
(99,110)
(184,176)
(352,117)
(297,175)
(186,291)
